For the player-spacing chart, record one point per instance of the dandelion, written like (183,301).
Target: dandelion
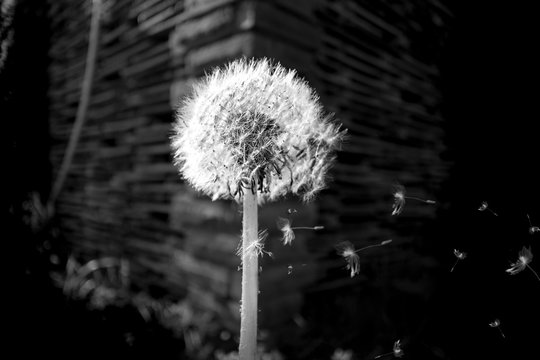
(347,251)
(285,226)
(459,256)
(524,259)
(484,206)
(253,132)
(532,229)
(400,198)
(397,351)
(497,324)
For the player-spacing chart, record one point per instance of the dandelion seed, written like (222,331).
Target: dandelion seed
(532,229)
(484,206)
(497,324)
(524,259)
(352,258)
(285,226)
(347,251)
(291,211)
(396,351)
(289,270)
(256,248)
(400,199)
(459,256)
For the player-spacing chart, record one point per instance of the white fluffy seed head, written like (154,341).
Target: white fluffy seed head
(254,122)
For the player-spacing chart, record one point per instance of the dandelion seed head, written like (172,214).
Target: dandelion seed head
(254,121)
(495,323)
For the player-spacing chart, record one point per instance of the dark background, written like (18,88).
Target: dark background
(489,69)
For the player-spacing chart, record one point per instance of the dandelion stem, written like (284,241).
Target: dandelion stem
(369,246)
(248,319)
(418,199)
(452,269)
(502,334)
(534,272)
(493,212)
(381,355)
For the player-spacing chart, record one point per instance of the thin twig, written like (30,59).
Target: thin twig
(534,272)
(83,103)
(385,354)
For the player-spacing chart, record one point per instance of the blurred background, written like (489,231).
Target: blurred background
(130,262)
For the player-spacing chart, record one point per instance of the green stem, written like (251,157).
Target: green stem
(250,281)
